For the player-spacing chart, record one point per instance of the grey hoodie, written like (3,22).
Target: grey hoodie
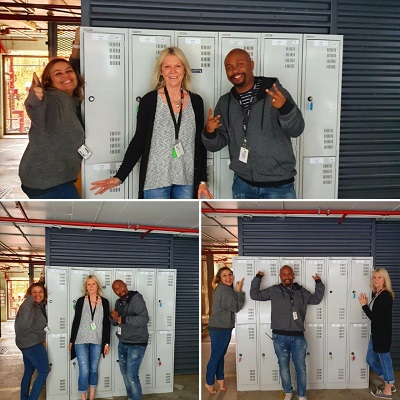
(269,134)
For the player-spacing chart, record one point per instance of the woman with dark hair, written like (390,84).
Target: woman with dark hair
(30,335)
(226,302)
(379,311)
(51,162)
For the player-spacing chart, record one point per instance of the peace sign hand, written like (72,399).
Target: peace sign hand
(37,87)
(278,99)
(212,122)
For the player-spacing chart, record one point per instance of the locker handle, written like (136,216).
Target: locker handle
(50,301)
(330,291)
(308,353)
(91,99)
(309,98)
(263,354)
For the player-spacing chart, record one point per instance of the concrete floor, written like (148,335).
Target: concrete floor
(186,387)
(11,150)
(233,394)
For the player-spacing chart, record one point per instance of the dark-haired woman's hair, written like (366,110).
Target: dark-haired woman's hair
(41,284)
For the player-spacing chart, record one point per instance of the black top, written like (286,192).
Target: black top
(381,322)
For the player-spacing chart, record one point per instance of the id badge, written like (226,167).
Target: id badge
(295,315)
(177,150)
(47,329)
(244,154)
(119,330)
(93,326)
(84,151)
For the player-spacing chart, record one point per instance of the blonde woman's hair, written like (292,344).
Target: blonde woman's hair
(387,283)
(158,79)
(99,289)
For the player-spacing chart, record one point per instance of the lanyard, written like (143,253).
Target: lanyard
(248,109)
(177,125)
(43,311)
(92,311)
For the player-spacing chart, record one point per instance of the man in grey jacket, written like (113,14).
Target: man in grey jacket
(131,317)
(289,303)
(257,120)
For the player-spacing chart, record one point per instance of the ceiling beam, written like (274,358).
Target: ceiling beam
(42,6)
(46,18)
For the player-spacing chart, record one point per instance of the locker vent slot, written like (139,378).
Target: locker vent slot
(63,279)
(252,333)
(290,57)
(107,280)
(250,50)
(341,375)
(147,379)
(115,142)
(366,270)
(169,322)
(159,48)
(63,342)
(364,332)
(343,267)
(168,377)
(150,280)
(274,270)
(63,322)
(275,375)
(251,314)
(170,280)
(115,53)
(129,280)
(107,382)
(252,375)
(169,339)
(342,333)
(150,321)
(320,374)
(363,374)
(331,58)
(63,385)
(342,314)
(205,56)
(118,188)
(150,338)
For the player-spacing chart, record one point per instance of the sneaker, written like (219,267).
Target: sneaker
(378,393)
(288,396)
(302,398)
(381,387)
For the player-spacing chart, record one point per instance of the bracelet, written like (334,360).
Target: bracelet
(76,46)
(203,183)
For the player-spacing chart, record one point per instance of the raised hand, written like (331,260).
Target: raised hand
(239,285)
(212,122)
(278,99)
(37,87)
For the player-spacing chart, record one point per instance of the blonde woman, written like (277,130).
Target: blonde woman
(168,137)
(90,335)
(379,311)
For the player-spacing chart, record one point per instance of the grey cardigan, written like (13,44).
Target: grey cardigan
(51,157)
(226,302)
(269,134)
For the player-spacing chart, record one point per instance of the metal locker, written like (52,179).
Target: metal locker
(360,282)
(210,173)
(315,336)
(245,268)
(246,357)
(146,371)
(335,355)
(224,175)
(57,300)
(57,380)
(126,275)
(270,267)
(297,266)
(146,285)
(164,361)
(336,290)
(165,300)
(312,267)
(358,346)
(269,368)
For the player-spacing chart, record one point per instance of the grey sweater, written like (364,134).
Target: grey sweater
(134,319)
(30,323)
(281,308)
(226,302)
(51,157)
(269,134)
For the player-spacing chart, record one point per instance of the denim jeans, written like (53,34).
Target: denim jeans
(88,356)
(34,357)
(130,358)
(380,363)
(242,190)
(170,192)
(65,191)
(297,346)
(220,339)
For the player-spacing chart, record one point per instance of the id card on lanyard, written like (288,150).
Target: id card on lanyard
(177,149)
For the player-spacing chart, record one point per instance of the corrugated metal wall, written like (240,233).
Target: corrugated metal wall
(369,165)
(263,236)
(112,249)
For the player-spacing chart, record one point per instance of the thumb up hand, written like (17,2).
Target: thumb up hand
(37,87)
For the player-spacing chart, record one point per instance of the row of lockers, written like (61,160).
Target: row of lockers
(118,64)
(158,288)
(337,329)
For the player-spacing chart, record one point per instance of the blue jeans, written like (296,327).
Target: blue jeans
(380,363)
(220,339)
(242,190)
(130,358)
(297,345)
(170,192)
(88,356)
(34,357)
(65,191)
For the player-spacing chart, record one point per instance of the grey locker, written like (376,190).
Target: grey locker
(57,380)
(246,357)
(315,336)
(164,361)
(244,268)
(336,369)
(269,367)
(312,267)
(165,300)
(146,285)
(297,266)
(146,371)
(57,300)
(336,290)
(358,346)
(225,176)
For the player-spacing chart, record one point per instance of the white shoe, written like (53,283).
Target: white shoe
(302,398)
(288,396)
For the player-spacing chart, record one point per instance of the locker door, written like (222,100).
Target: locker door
(146,284)
(164,361)
(146,371)
(57,301)
(269,368)
(224,175)
(312,267)
(315,336)
(319,177)
(126,275)
(245,268)
(360,281)
(165,304)
(336,290)
(297,266)
(335,355)
(246,357)
(270,267)
(358,346)
(57,350)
